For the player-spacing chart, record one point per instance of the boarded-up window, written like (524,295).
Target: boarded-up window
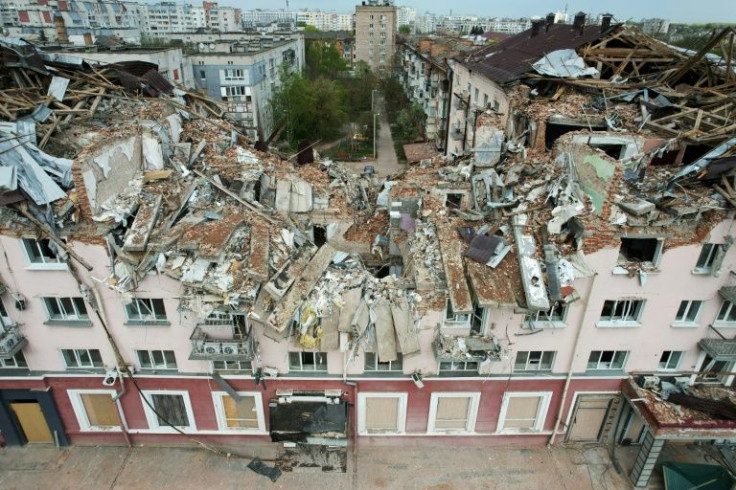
(242,414)
(381,415)
(522,412)
(100,409)
(171,410)
(452,413)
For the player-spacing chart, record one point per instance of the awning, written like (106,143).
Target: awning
(719,349)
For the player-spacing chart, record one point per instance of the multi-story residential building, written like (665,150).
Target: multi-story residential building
(170,17)
(375,33)
(405,16)
(244,73)
(570,279)
(259,17)
(654,27)
(325,21)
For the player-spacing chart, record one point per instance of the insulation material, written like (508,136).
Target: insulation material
(564,63)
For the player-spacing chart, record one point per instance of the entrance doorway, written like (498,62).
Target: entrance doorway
(32,421)
(589,417)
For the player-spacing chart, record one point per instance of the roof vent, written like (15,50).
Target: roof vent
(549,21)
(606,21)
(536,26)
(579,23)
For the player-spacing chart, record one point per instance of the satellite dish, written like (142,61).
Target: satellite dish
(212,46)
(201,46)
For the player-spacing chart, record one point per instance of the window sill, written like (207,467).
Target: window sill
(685,325)
(620,324)
(541,325)
(723,324)
(698,271)
(59,266)
(159,323)
(68,323)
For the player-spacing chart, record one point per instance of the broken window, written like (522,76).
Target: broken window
(670,360)
(712,371)
(555,129)
(478,320)
(453,200)
(320,235)
(710,258)
(65,309)
(647,250)
(625,310)
(688,311)
(145,311)
(82,358)
(39,251)
(555,316)
(308,361)
(169,409)
(238,366)
(607,359)
(156,359)
(455,366)
(535,360)
(17,361)
(727,313)
(523,412)
(451,317)
(373,364)
(382,413)
(453,412)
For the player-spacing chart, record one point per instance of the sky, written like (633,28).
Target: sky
(675,10)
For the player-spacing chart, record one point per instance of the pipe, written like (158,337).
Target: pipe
(354,384)
(568,379)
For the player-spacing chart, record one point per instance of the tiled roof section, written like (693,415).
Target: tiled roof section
(510,59)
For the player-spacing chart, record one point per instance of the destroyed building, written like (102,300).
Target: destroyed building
(568,277)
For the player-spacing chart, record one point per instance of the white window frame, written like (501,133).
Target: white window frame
(78,360)
(147,317)
(729,307)
(4,316)
(240,368)
(541,319)
(152,418)
(670,354)
(12,362)
(656,260)
(472,412)
(401,416)
(46,263)
(153,366)
(684,322)
(706,267)
(75,396)
(396,366)
(528,365)
(458,321)
(74,316)
(218,396)
(546,396)
(301,369)
(627,320)
(458,367)
(613,357)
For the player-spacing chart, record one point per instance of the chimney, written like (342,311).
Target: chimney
(549,21)
(579,23)
(536,25)
(606,22)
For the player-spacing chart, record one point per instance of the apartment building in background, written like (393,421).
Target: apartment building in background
(375,33)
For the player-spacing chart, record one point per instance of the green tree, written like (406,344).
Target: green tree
(404,29)
(322,58)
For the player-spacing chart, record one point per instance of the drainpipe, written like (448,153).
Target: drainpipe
(448,106)
(354,385)
(119,407)
(578,335)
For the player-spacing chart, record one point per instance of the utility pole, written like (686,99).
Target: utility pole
(374,134)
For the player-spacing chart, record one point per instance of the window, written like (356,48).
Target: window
(523,412)
(670,360)
(475,96)
(156,359)
(727,313)
(203,75)
(40,253)
(535,360)
(232,366)
(468,366)
(640,250)
(554,317)
(17,361)
(66,309)
(688,311)
(453,412)
(372,363)
(244,415)
(230,74)
(712,371)
(82,358)
(95,409)
(146,311)
(607,359)
(710,258)
(496,106)
(451,317)
(4,317)
(382,413)
(308,361)
(622,311)
(168,408)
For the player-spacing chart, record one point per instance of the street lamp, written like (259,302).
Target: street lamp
(375,114)
(373,104)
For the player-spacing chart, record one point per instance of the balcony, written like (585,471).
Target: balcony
(225,341)
(11,342)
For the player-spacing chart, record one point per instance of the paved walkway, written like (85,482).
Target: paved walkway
(433,467)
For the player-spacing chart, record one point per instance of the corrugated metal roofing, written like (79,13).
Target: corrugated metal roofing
(510,59)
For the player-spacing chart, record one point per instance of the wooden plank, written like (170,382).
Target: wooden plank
(385,335)
(404,326)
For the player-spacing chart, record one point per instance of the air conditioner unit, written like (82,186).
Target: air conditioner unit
(7,343)
(269,372)
(682,381)
(211,347)
(230,348)
(110,377)
(650,382)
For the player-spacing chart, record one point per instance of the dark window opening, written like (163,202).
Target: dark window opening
(693,153)
(382,271)
(639,249)
(454,200)
(667,158)
(553,131)
(613,151)
(320,235)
